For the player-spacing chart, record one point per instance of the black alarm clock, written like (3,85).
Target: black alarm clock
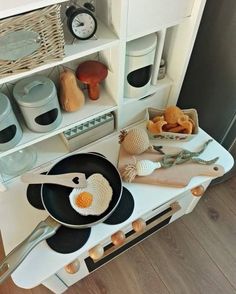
(81,21)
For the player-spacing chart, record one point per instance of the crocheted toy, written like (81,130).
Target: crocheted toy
(135,141)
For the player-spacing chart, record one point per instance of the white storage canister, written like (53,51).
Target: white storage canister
(139,60)
(10,130)
(38,101)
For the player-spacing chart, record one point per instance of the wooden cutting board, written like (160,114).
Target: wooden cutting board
(176,176)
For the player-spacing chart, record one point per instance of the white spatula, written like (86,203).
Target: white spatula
(73,180)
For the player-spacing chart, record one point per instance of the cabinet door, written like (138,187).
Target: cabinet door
(55,284)
(147,16)
(135,111)
(72,278)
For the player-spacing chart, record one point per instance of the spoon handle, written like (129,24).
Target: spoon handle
(73,180)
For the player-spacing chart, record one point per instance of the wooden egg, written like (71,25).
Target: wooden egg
(118,238)
(198,191)
(73,267)
(139,225)
(96,252)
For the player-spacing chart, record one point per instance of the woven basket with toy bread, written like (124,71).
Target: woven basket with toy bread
(172,123)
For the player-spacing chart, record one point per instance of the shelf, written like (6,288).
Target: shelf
(90,110)
(161,84)
(48,152)
(13,7)
(104,39)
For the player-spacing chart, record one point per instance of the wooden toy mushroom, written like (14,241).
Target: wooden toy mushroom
(91,73)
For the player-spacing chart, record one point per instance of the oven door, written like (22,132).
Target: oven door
(132,238)
(82,266)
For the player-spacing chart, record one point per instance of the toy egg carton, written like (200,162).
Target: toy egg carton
(192,113)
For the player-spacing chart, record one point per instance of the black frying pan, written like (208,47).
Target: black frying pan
(55,198)
(56,202)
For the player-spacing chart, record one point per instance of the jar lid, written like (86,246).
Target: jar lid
(141,46)
(34,91)
(5,106)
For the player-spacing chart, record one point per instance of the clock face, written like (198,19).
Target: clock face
(83,25)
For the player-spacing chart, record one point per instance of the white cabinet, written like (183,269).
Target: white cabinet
(118,22)
(134,111)
(145,17)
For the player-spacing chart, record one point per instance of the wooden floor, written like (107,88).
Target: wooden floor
(196,254)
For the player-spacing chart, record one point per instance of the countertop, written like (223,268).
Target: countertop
(18,218)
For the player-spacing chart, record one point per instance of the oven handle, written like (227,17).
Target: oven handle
(175,206)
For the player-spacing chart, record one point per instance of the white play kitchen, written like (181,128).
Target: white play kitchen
(88,89)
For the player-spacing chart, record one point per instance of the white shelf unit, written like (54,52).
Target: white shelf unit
(116,26)
(105,39)
(176,23)
(90,110)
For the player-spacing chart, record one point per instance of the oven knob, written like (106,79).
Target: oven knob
(139,225)
(118,238)
(198,191)
(96,252)
(73,267)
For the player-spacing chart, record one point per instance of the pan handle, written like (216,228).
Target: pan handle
(44,230)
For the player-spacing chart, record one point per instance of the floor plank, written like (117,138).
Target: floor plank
(183,264)
(226,192)
(213,223)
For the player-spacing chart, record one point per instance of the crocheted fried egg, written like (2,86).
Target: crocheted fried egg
(94,199)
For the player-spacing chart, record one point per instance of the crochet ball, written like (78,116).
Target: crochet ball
(136,141)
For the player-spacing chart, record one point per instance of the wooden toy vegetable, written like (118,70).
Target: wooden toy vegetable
(71,97)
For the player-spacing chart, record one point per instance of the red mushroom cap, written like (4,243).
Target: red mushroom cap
(91,72)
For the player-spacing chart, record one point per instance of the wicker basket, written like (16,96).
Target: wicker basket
(47,23)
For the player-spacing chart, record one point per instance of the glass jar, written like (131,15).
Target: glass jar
(18,162)
(162,70)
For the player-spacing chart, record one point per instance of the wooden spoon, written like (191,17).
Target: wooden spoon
(73,180)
